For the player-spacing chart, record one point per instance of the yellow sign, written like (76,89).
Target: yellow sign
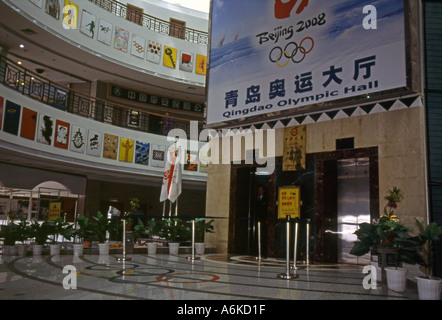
(289,202)
(294,148)
(70,15)
(201,64)
(126,150)
(54,210)
(170,57)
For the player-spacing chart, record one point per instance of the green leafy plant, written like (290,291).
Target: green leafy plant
(23,230)
(152,228)
(100,227)
(201,228)
(9,233)
(381,232)
(176,230)
(427,237)
(405,245)
(41,231)
(84,230)
(62,228)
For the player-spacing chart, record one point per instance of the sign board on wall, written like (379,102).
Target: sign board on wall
(268,56)
(54,210)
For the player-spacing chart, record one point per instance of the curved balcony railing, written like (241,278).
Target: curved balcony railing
(153,23)
(63,98)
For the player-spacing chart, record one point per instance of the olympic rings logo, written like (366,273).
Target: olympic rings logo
(292,51)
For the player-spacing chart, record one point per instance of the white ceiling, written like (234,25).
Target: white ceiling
(52,54)
(44,51)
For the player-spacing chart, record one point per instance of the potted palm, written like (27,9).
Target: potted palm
(100,229)
(201,228)
(429,286)
(175,232)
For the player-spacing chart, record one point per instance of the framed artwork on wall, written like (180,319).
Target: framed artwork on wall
(52,8)
(104,32)
(121,39)
(88,24)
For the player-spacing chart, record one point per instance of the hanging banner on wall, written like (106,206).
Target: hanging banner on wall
(61,134)
(70,15)
(78,139)
(294,148)
(12,117)
(267,56)
(126,150)
(28,124)
(110,146)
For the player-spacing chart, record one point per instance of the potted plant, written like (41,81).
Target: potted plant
(377,236)
(134,204)
(153,228)
(40,232)
(175,232)
(100,229)
(429,286)
(201,228)
(405,250)
(83,231)
(9,233)
(59,228)
(23,234)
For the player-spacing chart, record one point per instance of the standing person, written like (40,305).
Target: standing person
(261,214)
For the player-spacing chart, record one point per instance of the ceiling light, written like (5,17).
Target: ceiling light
(19,62)
(22,46)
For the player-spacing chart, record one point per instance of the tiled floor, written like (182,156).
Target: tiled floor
(169,277)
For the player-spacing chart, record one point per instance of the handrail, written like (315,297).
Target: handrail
(153,23)
(66,99)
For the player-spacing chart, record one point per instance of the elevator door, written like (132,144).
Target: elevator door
(353,205)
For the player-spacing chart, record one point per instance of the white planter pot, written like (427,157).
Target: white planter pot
(22,249)
(151,248)
(200,248)
(37,249)
(174,247)
(378,271)
(103,249)
(396,278)
(78,249)
(54,249)
(9,250)
(429,289)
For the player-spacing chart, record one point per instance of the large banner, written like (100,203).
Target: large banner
(273,55)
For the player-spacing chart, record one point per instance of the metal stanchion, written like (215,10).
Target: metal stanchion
(124,258)
(307,249)
(287,275)
(259,258)
(192,257)
(295,245)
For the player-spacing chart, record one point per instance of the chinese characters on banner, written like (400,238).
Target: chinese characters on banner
(300,53)
(294,148)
